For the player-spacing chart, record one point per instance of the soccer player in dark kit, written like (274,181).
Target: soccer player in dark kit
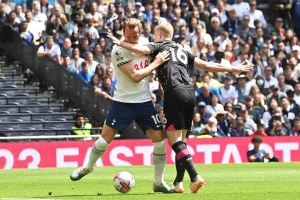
(179,100)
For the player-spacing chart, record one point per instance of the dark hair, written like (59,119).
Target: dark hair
(78,115)
(256,139)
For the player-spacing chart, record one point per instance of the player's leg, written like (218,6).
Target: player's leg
(198,182)
(148,120)
(118,118)
(180,170)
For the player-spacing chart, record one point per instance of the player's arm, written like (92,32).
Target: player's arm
(136,48)
(138,75)
(216,67)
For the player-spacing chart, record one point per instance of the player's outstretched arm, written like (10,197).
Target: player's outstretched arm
(138,49)
(216,67)
(138,75)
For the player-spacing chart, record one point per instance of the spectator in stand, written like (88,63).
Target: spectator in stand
(204,115)
(205,95)
(259,66)
(296,127)
(210,129)
(50,49)
(241,8)
(276,94)
(251,112)
(230,117)
(84,47)
(85,74)
(288,112)
(223,124)
(269,78)
(288,76)
(76,60)
(139,14)
(147,32)
(81,128)
(24,32)
(255,14)
(200,47)
(278,127)
(297,94)
(97,18)
(228,91)
(37,15)
(20,15)
(282,85)
(232,23)
(90,28)
(66,49)
(293,105)
(216,28)
(72,24)
(260,131)
(214,107)
(110,72)
(239,130)
(296,53)
(283,119)
(98,55)
(153,84)
(249,124)
(279,30)
(195,20)
(66,62)
(244,30)
(64,8)
(90,60)
(242,89)
(223,40)
(257,154)
(197,124)
(106,90)
(272,105)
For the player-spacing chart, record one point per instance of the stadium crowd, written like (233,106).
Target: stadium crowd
(264,102)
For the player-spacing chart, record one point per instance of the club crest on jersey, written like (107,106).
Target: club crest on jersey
(118,56)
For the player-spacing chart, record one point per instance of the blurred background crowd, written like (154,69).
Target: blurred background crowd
(265,101)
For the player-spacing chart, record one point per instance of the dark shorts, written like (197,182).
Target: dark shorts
(179,104)
(122,114)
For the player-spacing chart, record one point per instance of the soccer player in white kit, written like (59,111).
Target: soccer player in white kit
(132,101)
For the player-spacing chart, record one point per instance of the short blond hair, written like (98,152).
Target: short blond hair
(131,23)
(165,29)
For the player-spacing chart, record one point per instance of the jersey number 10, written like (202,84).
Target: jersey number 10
(180,55)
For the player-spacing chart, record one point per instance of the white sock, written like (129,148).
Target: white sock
(98,150)
(159,161)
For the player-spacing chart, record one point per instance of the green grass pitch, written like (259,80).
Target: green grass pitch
(264,181)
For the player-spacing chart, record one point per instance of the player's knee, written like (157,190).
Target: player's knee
(159,147)
(156,135)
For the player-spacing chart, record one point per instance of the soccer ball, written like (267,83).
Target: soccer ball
(123,182)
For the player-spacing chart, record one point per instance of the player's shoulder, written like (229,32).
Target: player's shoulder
(143,41)
(117,51)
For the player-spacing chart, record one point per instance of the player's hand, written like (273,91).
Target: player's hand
(267,155)
(162,57)
(244,67)
(113,39)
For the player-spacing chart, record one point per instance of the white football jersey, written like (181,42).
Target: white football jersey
(128,91)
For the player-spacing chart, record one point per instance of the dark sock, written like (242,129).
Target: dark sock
(180,171)
(185,158)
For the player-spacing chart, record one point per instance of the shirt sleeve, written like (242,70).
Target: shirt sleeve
(154,48)
(121,57)
(191,58)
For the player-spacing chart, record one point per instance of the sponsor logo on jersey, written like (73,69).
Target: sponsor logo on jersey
(118,56)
